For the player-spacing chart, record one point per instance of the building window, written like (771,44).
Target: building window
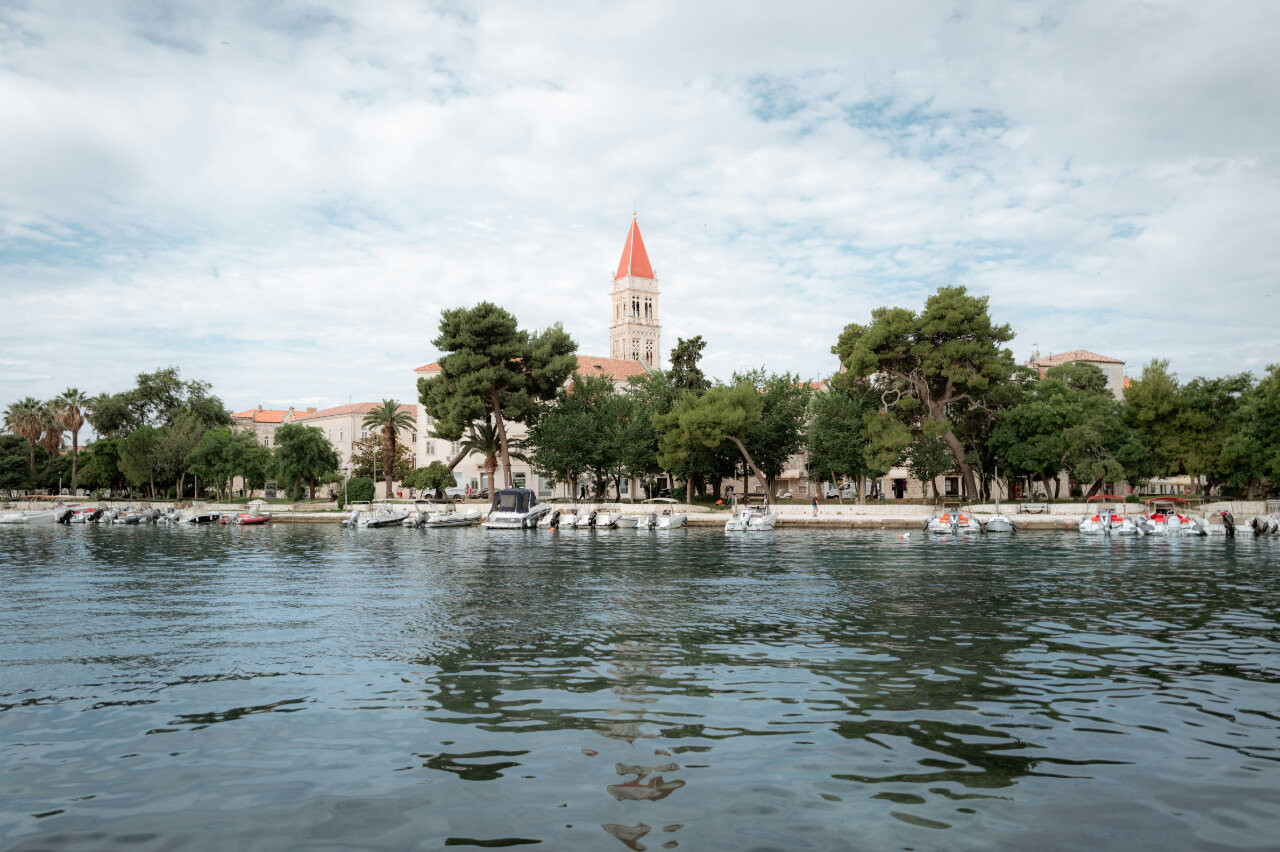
(266,440)
(625,488)
(648,309)
(339,436)
(364,432)
(648,352)
(518,479)
(544,487)
(429,447)
(330,436)
(414,433)
(635,349)
(455,448)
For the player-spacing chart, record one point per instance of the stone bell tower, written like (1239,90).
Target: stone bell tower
(635,333)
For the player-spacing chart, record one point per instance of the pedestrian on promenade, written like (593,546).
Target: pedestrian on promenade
(815,505)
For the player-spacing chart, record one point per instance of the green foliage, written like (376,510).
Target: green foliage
(887,441)
(1079,376)
(684,373)
(572,435)
(1066,425)
(493,368)
(140,457)
(836,437)
(1153,405)
(932,364)
(779,432)
(13,463)
(224,453)
(929,457)
(359,489)
(366,451)
(435,477)
(723,415)
(100,464)
(387,420)
(302,455)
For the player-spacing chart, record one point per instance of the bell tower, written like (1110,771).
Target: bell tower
(635,333)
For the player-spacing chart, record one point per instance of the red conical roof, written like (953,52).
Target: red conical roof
(635,261)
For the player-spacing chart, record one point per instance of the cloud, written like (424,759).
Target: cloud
(281,201)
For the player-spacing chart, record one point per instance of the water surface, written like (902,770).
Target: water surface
(299,686)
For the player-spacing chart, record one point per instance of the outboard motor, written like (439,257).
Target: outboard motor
(64,515)
(1228,523)
(591,519)
(352,518)
(175,516)
(652,522)
(955,523)
(153,515)
(555,520)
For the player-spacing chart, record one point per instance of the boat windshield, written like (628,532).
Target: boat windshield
(513,501)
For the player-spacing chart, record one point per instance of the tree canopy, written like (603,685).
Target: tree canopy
(494,368)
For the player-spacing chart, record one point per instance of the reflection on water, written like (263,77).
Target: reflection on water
(297,686)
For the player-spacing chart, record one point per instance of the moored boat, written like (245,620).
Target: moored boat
(951,519)
(515,509)
(752,519)
(1106,519)
(1169,516)
(668,518)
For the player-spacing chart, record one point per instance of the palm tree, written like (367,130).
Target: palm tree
(483,440)
(390,419)
(71,406)
(50,428)
(23,419)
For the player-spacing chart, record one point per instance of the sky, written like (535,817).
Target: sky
(281,198)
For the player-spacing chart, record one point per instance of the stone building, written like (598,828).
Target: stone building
(263,422)
(1113,368)
(635,332)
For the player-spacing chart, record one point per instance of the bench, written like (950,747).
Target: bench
(1033,508)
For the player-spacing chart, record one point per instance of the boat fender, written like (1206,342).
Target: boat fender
(905,535)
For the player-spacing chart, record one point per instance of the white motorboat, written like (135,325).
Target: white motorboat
(628,522)
(37,516)
(449,516)
(951,519)
(1165,516)
(200,514)
(668,518)
(607,517)
(1107,519)
(752,519)
(999,522)
(585,519)
(255,514)
(420,511)
(515,509)
(384,513)
(85,515)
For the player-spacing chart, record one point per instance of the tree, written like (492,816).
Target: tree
(723,414)
(102,468)
(685,374)
(110,414)
(23,418)
(484,440)
(139,457)
(836,437)
(1065,424)
(779,433)
(13,463)
(493,368)
(1207,420)
(435,477)
(1154,405)
(50,429)
(71,405)
(175,443)
(565,441)
(303,455)
(368,458)
(929,457)
(388,419)
(930,364)
(223,453)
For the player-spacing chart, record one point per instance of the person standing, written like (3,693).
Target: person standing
(815,505)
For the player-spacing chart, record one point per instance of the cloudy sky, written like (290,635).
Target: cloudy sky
(280,198)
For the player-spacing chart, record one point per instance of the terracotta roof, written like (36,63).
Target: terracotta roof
(353,408)
(262,415)
(433,367)
(1073,356)
(635,260)
(614,368)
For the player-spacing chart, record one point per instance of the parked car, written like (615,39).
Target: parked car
(846,492)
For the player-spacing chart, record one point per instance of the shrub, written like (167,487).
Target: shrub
(359,488)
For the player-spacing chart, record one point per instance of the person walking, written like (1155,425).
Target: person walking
(815,505)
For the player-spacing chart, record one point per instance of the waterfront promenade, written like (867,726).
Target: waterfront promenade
(889,516)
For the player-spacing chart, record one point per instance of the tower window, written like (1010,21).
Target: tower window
(635,349)
(648,352)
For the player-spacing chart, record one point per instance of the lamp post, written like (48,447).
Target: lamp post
(345,469)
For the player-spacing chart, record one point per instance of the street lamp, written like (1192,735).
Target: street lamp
(345,469)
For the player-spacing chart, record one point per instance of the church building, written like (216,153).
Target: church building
(635,347)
